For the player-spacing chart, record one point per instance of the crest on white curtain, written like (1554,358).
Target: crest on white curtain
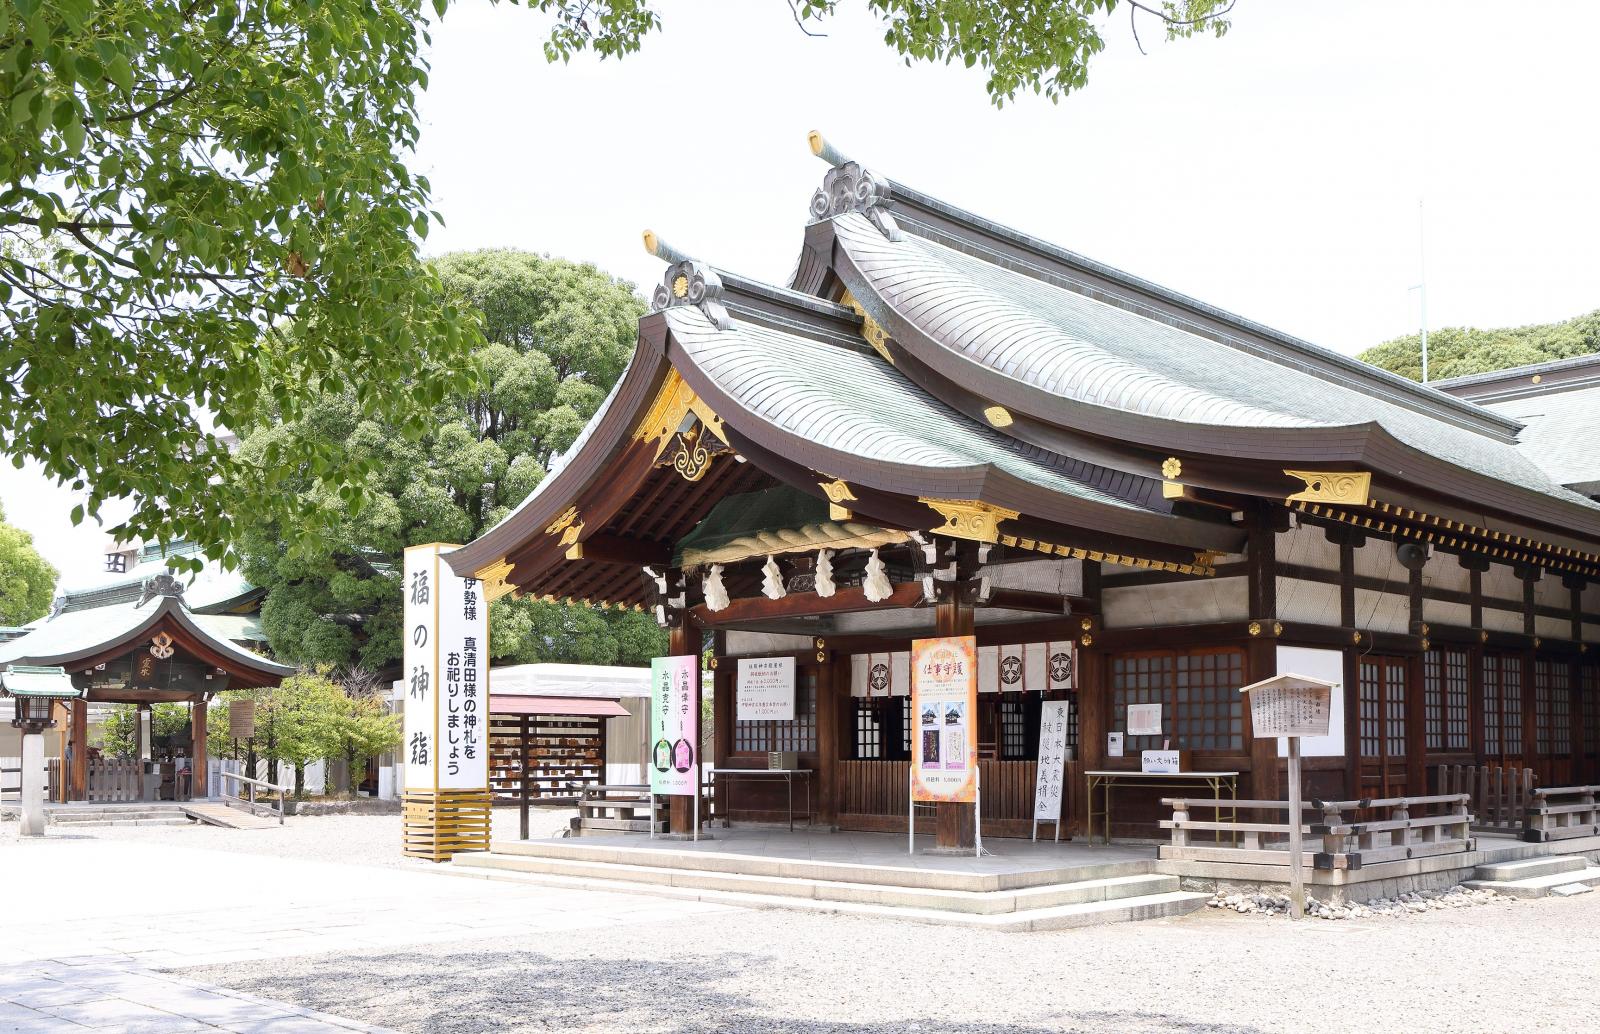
(876,585)
(716,592)
(825,586)
(772,581)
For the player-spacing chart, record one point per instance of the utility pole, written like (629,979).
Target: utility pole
(1422,288)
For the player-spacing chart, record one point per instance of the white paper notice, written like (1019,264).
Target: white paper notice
(766,689)
(1144,719)
(1113,744)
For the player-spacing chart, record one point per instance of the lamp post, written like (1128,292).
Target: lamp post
(34,691)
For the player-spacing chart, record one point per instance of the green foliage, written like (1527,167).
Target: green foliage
(1038,45)
(121,724)
(27,581)
(558,336)
(179,180)
(1459,351)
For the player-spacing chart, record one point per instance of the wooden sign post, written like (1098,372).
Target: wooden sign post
(1292,706)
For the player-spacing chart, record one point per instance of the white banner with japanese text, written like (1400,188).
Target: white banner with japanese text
(674,726)
(445,667)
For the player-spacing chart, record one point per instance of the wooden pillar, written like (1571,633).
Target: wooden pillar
(1577,771)
(682,640)
(78,744)
(954,824)
(197,735)
(832,673)
(1353,649)
(1530,677)
(723,704)
(1261,658)
(1475,659)
(1416,696)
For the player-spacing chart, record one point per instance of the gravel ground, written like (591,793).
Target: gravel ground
(1523,966)
(354,839)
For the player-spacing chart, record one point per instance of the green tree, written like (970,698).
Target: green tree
(1459,351)
(27,581)
(558,336)
(366,731)
(181,177)
(307,714)
(1040,45)
(121,724)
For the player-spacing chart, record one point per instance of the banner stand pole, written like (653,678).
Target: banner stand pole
(911,809)
(652,814)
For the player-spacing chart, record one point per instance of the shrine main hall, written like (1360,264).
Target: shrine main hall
(944,426)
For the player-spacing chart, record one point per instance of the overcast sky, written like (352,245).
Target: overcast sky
(1276,172)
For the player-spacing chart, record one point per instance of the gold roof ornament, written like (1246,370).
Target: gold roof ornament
(1344,488)
(871,330)
(838,493)
(969,518)
(674,401)
(495,579)
(998,416)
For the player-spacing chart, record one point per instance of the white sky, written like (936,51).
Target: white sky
(1275,172)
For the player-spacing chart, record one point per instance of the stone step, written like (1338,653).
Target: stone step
(1541,886)
(1505,872)
(179,821)
(125,815)
(709,859)
(991,902)
(1060,917)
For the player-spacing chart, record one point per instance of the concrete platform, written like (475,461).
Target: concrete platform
(1018,886)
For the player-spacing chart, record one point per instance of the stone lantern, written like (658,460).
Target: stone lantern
(34,692)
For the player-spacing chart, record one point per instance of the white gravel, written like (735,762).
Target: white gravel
(355,839)
(1400,907)
(1500,966)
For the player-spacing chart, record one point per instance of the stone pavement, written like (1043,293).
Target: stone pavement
(83,952)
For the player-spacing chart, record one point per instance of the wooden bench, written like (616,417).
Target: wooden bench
(1561,813)
(621,807)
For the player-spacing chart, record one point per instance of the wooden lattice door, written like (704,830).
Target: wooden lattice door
(1383,727)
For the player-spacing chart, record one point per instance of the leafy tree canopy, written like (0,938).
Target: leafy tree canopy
(177,180)
(181,180)
(1459,351)
(27,581)
(558,336)
(1043,46)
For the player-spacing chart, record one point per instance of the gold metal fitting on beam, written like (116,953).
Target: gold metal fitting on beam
(969,518)
(998,416)
(1345,488)
(838,493)
(494,579)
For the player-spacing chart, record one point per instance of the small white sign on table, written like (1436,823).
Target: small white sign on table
(765,689)
(1160,761)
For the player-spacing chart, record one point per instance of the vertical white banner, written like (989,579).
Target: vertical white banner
(445,668)
(1050,782)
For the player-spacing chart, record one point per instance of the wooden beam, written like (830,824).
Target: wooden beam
(604,548)
(805,604)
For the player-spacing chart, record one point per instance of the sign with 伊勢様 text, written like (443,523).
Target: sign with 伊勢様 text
(444,675)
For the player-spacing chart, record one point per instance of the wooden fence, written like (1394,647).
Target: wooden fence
(1352,833)
(114,779)
(1499,796)
(1560,813)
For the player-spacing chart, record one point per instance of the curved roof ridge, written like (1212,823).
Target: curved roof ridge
(987,328)
(907,204)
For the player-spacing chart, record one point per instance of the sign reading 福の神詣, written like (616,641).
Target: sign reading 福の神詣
(765,690)
(944,704)
(674,726)
(445,666)
(1049,782)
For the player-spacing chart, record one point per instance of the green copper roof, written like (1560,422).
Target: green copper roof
(33,680)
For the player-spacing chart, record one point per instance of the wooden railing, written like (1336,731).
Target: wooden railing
(1500,796)
(880,788)
(1399,827)
(1561,813)
(247,799)
(115,779)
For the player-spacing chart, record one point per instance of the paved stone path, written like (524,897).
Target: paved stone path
(84,951)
